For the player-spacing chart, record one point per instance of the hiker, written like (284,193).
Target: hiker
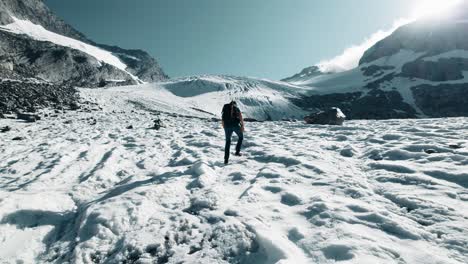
(233,122)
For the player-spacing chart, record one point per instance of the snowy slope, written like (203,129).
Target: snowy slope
(259,99)
(38,32)
(367,192)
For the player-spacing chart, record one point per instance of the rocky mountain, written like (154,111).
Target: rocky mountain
(138,62)
(418,71)
(36,43)
(38,13)
(305,74)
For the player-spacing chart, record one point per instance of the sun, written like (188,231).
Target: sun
(434,8)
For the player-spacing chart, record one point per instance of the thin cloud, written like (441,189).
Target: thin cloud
(350,57)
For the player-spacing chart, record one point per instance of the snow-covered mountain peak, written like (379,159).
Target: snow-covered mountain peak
(419,70)
(38,32)
(39,44)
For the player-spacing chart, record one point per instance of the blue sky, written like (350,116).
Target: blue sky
(261,38)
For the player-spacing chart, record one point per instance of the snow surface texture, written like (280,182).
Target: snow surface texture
(205,95)
(38,32)
(367,192)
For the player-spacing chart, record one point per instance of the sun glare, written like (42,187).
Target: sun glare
(434,8)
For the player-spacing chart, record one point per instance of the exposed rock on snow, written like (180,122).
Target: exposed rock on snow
(5,129)
(31,95)
(305,74)
(332,116)
(157,124)
(28,117)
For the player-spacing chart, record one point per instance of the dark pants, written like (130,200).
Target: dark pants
(228,131)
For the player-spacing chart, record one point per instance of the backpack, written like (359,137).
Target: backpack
(231,115)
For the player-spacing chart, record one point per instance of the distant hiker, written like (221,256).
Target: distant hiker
(233,122)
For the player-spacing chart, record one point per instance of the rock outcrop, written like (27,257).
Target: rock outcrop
(305,74)
(331,116)
(56,64)
(30,95)
(25,55)
(38,13)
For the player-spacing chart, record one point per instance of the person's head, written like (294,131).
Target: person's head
(233,103)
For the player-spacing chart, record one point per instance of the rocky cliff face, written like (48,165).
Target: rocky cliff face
(53,63)
(31,49)
(305,74)
(38,13)
(139,63)
(418,71)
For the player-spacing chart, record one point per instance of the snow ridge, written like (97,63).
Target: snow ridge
(38,32)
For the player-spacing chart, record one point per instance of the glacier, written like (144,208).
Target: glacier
(84,188)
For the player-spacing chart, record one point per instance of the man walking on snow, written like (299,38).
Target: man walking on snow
(233,122)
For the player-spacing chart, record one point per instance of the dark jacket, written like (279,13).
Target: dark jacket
(231,115)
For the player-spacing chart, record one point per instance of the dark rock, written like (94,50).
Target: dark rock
(5,129)
(332,116)
(430,151)
(93,122)
(443,100)
(375,104)
(443,70)
(74,106)
(130,127)
(455,146)
(2,116)
(18,138)
(157,124)
(253,120)
(28,117)
(23,94)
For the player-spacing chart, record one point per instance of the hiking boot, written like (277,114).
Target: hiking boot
(238,154)
(226,162)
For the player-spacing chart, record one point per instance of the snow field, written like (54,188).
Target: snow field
(202,97)
(368,192)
